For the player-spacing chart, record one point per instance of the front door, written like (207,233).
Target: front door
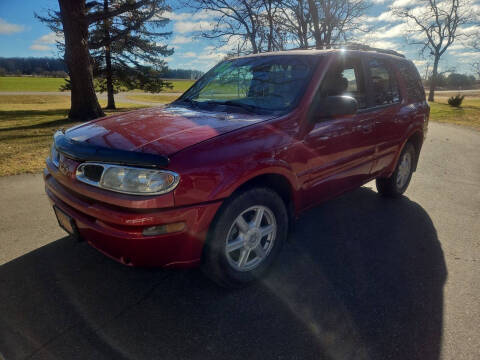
(340,150)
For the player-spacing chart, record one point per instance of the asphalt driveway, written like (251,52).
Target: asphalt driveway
(362,277)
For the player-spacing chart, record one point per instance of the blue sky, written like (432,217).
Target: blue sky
(23,35)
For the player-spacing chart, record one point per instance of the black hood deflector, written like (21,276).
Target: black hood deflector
(83,151)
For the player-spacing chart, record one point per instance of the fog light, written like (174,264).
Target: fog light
(163,229)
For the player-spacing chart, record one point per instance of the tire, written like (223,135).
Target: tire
(397,184)
(238,252)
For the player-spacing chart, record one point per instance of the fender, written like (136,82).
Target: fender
(267,167)
(411,132)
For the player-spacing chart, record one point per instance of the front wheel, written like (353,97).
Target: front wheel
(245,238)
(397,184)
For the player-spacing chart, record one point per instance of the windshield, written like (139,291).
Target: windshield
(256,84)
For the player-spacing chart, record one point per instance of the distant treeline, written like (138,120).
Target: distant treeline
(454,81)
(183,74)
(54,67)
(33,66)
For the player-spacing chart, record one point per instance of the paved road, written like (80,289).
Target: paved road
(362,277)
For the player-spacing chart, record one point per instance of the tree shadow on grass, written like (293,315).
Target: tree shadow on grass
(28,115)
(361,278)
(8,114)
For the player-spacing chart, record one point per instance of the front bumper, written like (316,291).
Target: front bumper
(117,231)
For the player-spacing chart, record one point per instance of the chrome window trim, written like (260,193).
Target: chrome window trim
(80,177)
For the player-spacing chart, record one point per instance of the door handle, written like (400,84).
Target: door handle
(367,128)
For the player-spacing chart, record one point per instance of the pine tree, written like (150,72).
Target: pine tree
(126,49)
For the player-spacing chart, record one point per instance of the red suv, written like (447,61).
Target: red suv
(217,177)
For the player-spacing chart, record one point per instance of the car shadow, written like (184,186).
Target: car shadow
(360,278)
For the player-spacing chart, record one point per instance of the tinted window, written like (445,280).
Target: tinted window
(268,83)
(384,84)
(413,83)
(345,78)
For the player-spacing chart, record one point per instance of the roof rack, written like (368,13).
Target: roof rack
(356,46)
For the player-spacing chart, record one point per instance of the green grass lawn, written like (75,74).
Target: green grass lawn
(44,84)
(27,123)
(25,83)
(467,115)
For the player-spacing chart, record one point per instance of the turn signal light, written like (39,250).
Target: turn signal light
(164,229)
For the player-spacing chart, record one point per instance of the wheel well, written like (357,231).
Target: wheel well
(416,140)
(276,182)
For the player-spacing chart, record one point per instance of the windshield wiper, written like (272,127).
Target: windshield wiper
(188,101)
(232,103)
(251,108)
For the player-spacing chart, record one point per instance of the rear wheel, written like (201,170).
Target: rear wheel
(245,238)
(397,184)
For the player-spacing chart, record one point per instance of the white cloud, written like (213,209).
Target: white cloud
(456,46)
(384,44)
(388,32)
(472,54)
(189,54)
(403,3)
(45,42)
(387,16)
(40,47)
(50,38)
(199,15)
(190,26)
(7,28)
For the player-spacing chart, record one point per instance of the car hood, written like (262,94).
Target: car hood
(160,130)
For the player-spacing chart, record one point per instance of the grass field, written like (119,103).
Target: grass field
(467,115)
(27,123)
(23,83)
(43,84)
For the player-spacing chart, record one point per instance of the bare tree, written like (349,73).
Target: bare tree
(437,25)
(295,19)
(253,23)
(336,21)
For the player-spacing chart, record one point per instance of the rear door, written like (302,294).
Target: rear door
(340,150)
(384,107)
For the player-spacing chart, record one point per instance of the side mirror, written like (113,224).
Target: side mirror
(334,106)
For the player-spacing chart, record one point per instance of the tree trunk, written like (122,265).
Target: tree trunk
(108,60)
(433,81)
(253,42)
(316,27)
(84,102)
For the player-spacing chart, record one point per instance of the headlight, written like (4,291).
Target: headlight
(54,156)
(126,179)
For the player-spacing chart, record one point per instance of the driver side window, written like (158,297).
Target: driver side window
(345,78)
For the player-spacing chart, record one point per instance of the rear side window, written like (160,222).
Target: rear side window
(413,83)
(383,82)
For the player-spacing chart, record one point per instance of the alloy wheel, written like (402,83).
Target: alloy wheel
(251,238)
